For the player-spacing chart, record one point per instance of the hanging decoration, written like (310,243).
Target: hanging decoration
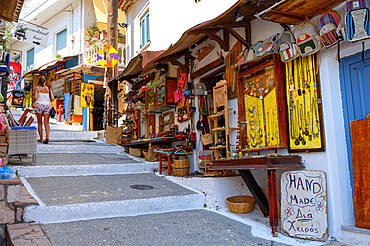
(107,57)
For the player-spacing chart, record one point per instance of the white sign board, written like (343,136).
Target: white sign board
(304,204)
(31,34)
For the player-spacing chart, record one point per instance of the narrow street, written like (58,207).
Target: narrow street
(92,193)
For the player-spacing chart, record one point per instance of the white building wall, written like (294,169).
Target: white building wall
(169,19)
(75,15)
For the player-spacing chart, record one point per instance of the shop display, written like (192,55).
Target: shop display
(160,95)
(303,104)
(221,129)
(230,72)
(87,95)
(261,112)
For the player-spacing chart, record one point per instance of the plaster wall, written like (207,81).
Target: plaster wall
(169,19)
(75,15)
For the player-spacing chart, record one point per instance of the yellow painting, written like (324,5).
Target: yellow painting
(87,95)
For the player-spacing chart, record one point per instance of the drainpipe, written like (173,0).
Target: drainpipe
(81,33)
(71,31)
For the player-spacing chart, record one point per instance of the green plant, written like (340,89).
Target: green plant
(91,32)
(8,32)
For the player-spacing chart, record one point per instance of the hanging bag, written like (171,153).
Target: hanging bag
(287,46)
(305,36)
(52,110)
(270,45)
(356,20)
(328,28)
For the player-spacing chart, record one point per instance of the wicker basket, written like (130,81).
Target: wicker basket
(22,141)
(240,204)
(181,167)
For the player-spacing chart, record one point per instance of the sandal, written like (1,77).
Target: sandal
(46,141)
(40,141)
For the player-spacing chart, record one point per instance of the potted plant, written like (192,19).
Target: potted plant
(91,34)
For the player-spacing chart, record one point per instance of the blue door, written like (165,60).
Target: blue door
(355,86)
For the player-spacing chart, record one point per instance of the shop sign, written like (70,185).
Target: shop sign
(304,204)
(87,95)
(31,34)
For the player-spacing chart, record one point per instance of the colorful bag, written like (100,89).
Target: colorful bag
(305,36)
(270,45)
(177,95)
(328,27)
(287,47)
(356,20)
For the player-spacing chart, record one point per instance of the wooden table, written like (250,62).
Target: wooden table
(270,164)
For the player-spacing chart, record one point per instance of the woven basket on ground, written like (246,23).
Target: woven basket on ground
(181,167)
(240,204)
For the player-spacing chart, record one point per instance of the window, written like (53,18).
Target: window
(144,28)
(30,59)
(61,40)
(17,59)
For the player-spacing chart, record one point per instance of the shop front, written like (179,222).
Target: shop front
(258,100)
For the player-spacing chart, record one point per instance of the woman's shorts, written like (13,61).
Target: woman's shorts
(42,108)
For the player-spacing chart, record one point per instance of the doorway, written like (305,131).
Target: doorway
(355,88)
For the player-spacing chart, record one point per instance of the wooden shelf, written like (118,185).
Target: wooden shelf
(219,114)
(217,147)
(223,128)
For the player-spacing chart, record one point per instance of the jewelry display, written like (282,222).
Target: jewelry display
(261,109)
(303,108)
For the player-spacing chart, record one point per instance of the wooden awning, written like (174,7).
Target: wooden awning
(10,9)
(225,22)
(294,12)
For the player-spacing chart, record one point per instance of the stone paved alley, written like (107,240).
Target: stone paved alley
(85,195)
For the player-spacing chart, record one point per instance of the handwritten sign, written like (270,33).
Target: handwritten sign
(304,204)
(31,34)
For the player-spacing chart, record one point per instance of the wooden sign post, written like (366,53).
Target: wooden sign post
(304,204)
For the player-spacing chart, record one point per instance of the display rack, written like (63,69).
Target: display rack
(220,109)
(261,101)
(165,121)
(304,105)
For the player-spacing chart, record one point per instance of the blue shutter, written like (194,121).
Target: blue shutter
(61,39)
(147,28)
(144,27)
(30,59)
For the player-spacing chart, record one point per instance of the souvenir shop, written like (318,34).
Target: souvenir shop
(230,99)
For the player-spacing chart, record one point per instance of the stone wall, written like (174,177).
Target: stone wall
(10,212)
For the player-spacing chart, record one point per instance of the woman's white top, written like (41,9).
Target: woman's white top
(43,98)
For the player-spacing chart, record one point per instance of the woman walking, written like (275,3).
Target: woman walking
(43,97)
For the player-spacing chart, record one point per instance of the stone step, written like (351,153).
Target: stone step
(63,135)
(79,170)
(68,159)
(78,147)
(192,227)
(89,197)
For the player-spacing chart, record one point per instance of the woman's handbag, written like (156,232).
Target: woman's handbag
(52,110)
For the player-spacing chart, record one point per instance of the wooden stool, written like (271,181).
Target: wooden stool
(168,165)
